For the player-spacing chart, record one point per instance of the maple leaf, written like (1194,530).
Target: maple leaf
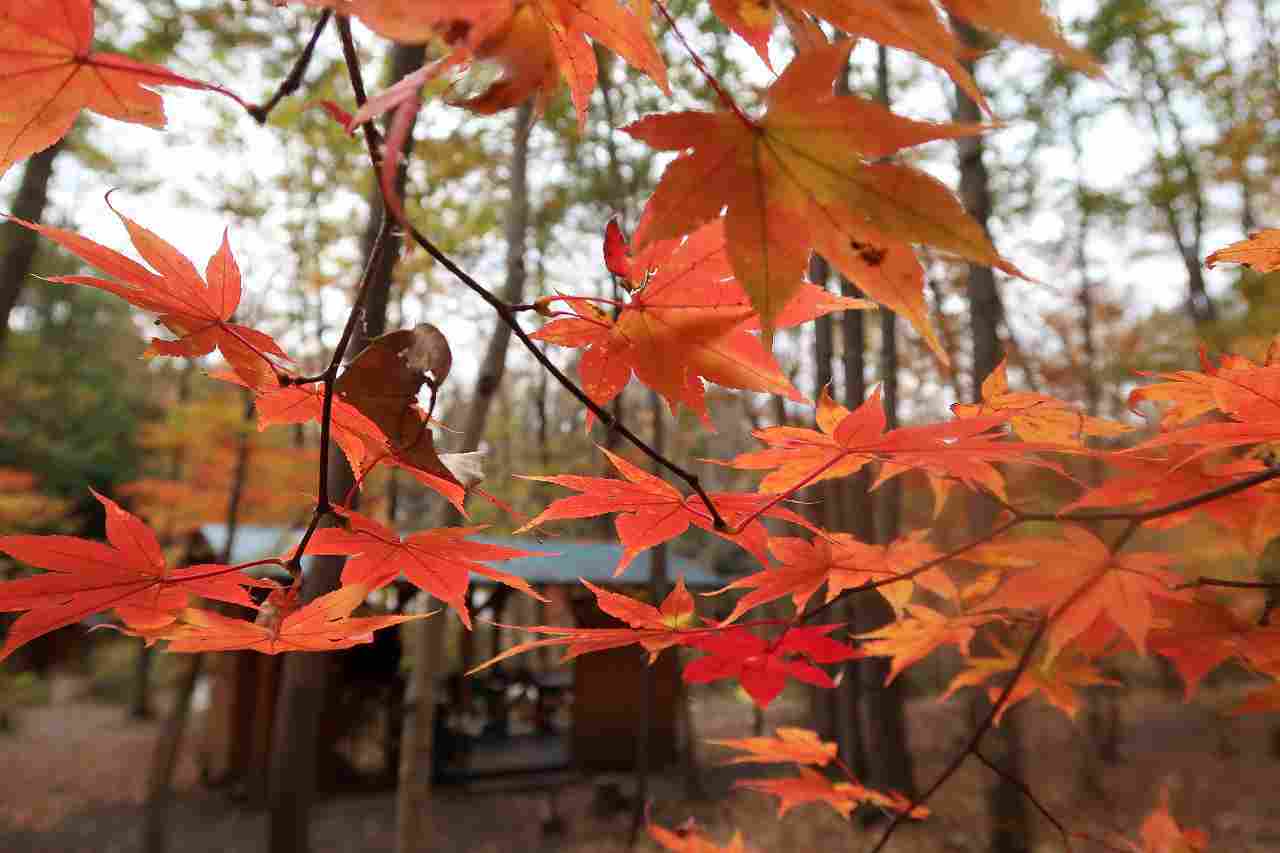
(842,562)
(325,624)
(1036,417)
(763,667)
(438,561)
(652,511)
(961,449)
(1056,676)
(127,574)
(687,321)
(1250,516)
(382,382)
(533,44)
(791,746)
(1188,393)
(810,786)
(912,25)
(1247,394)
(46,57)
(1260,252)
(1076,579)
(1199,635)
(690,839)
(197,309)
(653,628)
(1162,834)
(800,179)
(912,638)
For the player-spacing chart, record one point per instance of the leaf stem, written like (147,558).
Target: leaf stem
(504,311)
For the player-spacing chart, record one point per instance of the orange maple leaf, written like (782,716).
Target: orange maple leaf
(801,179)
(534,44)
(1260,252)
(197,309)
(438,561)
(1076,579)
(1199,635)
(912,638)
(841,562)
(127,574)
(51,74)
(912,25)
(325,624)
(690,839)
(791,746)
(1056,676)
(1252,516)
(961,450)
(687,321)
(653,628)
(1036,417)
(651,511)
(810,786)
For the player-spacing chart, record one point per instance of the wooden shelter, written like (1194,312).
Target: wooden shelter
(526,714)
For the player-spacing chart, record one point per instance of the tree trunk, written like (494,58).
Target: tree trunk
(164,760)
(1011,821)
(21,243)
(292,776)
(415,830)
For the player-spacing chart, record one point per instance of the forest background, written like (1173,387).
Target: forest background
(1187,117)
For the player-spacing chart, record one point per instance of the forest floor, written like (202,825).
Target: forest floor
(72,779)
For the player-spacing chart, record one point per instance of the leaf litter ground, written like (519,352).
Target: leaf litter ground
(82,787)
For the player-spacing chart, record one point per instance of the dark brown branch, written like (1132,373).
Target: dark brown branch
(505,312)
(972,746)
(1143,516)
(293,80)
(1026,792)
(329,377)
(1224,582)
(918,570)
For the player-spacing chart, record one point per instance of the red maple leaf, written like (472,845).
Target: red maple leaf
(323,625)
(688,321)
(127,574)
(51,74)
(198,310)
(653,628)
(651,511)
(841,562)
(962,450)
(763,667)
(439,561)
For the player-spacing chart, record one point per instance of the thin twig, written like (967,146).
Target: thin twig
(1026,792)
(972,746)
(1224,582)
(329,377)
(911,573)
(291,82)
(1192,502)
(373,141)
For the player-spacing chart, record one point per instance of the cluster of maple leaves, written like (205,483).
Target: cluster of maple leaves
(715,266)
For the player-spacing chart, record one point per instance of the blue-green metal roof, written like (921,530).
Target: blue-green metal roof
(594,561)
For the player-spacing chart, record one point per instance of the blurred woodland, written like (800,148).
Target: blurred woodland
(1109,192)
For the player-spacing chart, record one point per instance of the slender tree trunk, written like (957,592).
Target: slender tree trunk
(292,776)
(415,829)
(20,243)
(164,760)
(890,761)
(1011,821)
